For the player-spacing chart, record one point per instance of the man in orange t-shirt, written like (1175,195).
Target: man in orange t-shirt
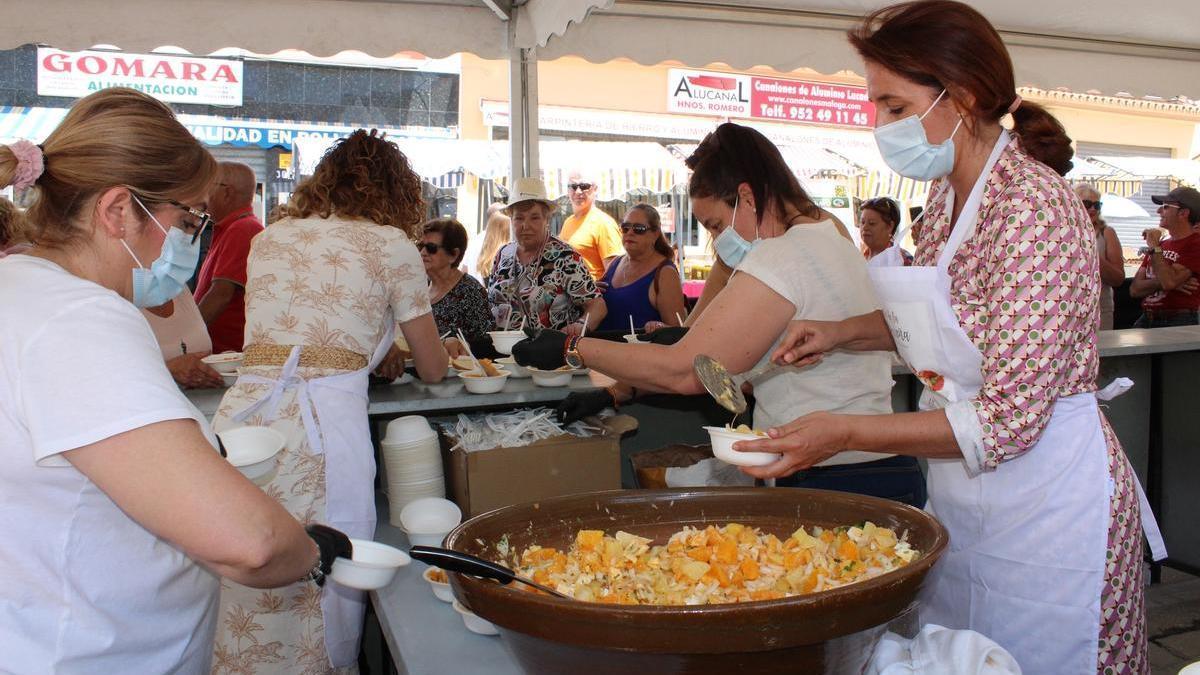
(221,284)
(590,231)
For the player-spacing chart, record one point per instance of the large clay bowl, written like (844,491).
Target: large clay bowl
(831,631)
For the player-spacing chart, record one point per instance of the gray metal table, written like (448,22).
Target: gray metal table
(425,635)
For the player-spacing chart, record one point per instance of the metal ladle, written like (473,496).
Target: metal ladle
(465,563)
(726,389)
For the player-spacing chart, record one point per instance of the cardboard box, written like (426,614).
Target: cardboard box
(489,479)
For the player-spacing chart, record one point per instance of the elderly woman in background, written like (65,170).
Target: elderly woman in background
(539,276)
(326,286)
(459,301)
(643,285)
(1108,249)
(877,222)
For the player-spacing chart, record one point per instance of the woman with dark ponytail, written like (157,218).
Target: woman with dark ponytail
(997,317)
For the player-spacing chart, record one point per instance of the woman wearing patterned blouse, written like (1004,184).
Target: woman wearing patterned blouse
(459,301)
(538,276)
(997,317)
(328,283)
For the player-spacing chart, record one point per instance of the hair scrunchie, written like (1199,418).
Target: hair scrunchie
(30,164)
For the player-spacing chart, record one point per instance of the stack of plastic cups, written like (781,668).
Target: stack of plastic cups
(412,462)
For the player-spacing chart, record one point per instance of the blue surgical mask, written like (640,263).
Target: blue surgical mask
(169,273)
(730,245)
(907,149)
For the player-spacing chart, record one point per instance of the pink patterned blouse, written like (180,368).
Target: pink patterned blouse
(1025,287)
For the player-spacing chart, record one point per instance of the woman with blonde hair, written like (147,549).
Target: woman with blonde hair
(326,286)
(496,234)
(118,513)
(1108,250)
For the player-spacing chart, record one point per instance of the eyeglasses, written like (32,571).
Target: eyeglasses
(580,186)
(1089,204)
(637,228)
(1171,206)
(203,219)
(429,247)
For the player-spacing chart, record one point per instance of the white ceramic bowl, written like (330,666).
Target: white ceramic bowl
(474,623)
(550,378)
(372,566)
(252,449)
(515,369)
(722,444)
(408,429)
(503,340)
(225,362)
(441,589)
(482,384)
(428,520)
(229,378)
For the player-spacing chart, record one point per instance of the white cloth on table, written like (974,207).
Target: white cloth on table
(941,651)
(86,589)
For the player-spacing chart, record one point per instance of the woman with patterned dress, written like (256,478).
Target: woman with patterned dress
(540,277)
(997,317)
(327,285)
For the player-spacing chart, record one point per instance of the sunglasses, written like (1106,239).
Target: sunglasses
(429,247)
(580,186)
(637,228)
(1089,204)
(1169,205)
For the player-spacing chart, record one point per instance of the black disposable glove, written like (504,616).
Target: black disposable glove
(580,404)
(667,335)
(543,349)
(333,544)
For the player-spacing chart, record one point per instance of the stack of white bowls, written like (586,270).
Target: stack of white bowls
(412,462)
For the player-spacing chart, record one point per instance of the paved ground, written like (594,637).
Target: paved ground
(1173,621)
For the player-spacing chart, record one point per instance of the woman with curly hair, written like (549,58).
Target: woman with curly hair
(326,285)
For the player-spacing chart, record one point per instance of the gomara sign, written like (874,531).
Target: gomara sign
(179,79)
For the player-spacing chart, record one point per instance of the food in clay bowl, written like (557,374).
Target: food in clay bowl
(819,631)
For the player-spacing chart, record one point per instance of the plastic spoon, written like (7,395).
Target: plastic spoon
(726,389)
(465,563)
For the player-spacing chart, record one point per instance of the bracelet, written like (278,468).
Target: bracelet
(316,574)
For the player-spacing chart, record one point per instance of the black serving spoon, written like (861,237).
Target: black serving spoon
(465,563)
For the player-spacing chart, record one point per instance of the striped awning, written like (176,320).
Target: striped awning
(31,124)
(1106,178)
(876,179)
(618,167)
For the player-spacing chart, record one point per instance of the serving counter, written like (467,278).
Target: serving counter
(1156,420)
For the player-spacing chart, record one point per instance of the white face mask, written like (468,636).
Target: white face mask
(730,245)
(168,275)
(907,149)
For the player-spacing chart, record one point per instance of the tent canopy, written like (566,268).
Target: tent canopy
(1104,46)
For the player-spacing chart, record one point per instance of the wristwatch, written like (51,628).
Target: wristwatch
(571,354)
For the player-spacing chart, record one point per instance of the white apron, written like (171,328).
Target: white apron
(1028,541)
(338,403)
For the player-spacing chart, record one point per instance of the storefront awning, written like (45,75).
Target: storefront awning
(620,167)
(1180,171)
(1107,179)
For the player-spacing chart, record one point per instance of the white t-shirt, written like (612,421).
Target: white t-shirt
(825,277)
(85,589)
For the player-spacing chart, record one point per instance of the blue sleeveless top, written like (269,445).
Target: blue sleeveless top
(631,300)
